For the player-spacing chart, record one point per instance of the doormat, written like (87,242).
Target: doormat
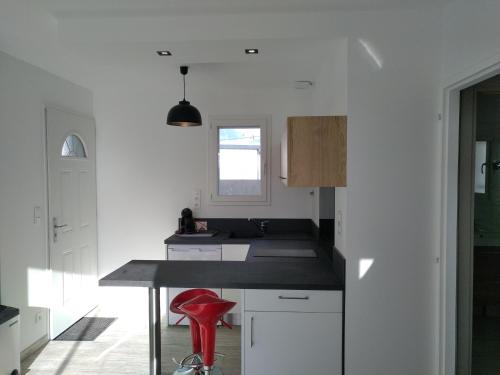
(86,329)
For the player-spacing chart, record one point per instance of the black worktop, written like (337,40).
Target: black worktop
(226,238)
(326,272)
(7,313)
(308,275)
(244,231)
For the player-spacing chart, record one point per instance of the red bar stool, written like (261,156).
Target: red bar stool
(193,324)
(207,310)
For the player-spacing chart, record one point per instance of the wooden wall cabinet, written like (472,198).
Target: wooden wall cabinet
(314,151)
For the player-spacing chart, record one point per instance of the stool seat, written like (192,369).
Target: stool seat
(207,310)
(185,296)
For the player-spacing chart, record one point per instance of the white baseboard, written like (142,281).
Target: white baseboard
(34,347)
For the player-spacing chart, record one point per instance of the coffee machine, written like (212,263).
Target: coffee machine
(187,225)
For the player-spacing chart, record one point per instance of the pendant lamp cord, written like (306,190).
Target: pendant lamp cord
(184,79)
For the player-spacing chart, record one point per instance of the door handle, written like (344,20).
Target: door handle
(301,298)
(55,227)
(251,332)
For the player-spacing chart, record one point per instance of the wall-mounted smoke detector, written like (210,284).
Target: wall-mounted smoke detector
(301,85)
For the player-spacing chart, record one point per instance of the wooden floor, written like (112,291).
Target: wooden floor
(123,349)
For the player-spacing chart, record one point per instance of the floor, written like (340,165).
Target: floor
(486,324)
(123,349)
(486,346)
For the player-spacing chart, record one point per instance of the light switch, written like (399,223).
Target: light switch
(196,198)
(37,215)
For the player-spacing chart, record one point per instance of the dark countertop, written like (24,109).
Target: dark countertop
(308,275)
(7,313)
(326,272)
(225,238)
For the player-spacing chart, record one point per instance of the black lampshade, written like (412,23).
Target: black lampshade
(184,114)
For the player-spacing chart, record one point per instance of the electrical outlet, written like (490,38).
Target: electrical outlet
(196,198)
(37,215)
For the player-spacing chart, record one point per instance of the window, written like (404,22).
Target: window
(238,160)
(73,147)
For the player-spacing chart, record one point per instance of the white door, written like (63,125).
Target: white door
(283,343)
(72,217)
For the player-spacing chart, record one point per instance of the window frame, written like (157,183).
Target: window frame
(262,122)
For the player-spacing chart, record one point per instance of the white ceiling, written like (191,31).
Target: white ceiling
(94,41)
(76,8)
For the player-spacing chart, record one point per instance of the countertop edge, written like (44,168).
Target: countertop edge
(8,314)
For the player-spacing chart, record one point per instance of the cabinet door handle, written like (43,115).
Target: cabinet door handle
(206,250)
(13,323)
(282,178)
(300,298)
(179,250)
(251,332)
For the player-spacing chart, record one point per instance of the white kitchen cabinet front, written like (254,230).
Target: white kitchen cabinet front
(234,252)
(190,253)
(9,346)
(284,343)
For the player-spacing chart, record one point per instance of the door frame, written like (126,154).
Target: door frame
(447,316)
(48,219)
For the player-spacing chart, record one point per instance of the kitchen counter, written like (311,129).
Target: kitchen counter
(7,313)
(227,238)
(322,273)
(308,274)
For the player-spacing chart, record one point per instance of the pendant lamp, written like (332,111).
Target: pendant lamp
(184,114)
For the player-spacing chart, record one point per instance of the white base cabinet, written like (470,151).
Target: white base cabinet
(234,253)
(297,340)
(10,347)
(218,252)
(189,253)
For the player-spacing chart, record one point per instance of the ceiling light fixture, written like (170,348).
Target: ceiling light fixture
(164,53)
(184,114)
(251,51)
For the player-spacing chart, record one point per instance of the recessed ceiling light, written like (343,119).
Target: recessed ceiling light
(251,51)
(164,53)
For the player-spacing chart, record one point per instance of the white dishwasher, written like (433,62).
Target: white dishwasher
(190,253)
(10,350)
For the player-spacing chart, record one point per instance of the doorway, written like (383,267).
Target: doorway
(478,262)
(72,218)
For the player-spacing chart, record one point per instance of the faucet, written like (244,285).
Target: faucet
(260,224)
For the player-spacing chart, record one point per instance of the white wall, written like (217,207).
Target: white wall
(147,170)
(471,37)
(24,92)
(330,96)
(392,194)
